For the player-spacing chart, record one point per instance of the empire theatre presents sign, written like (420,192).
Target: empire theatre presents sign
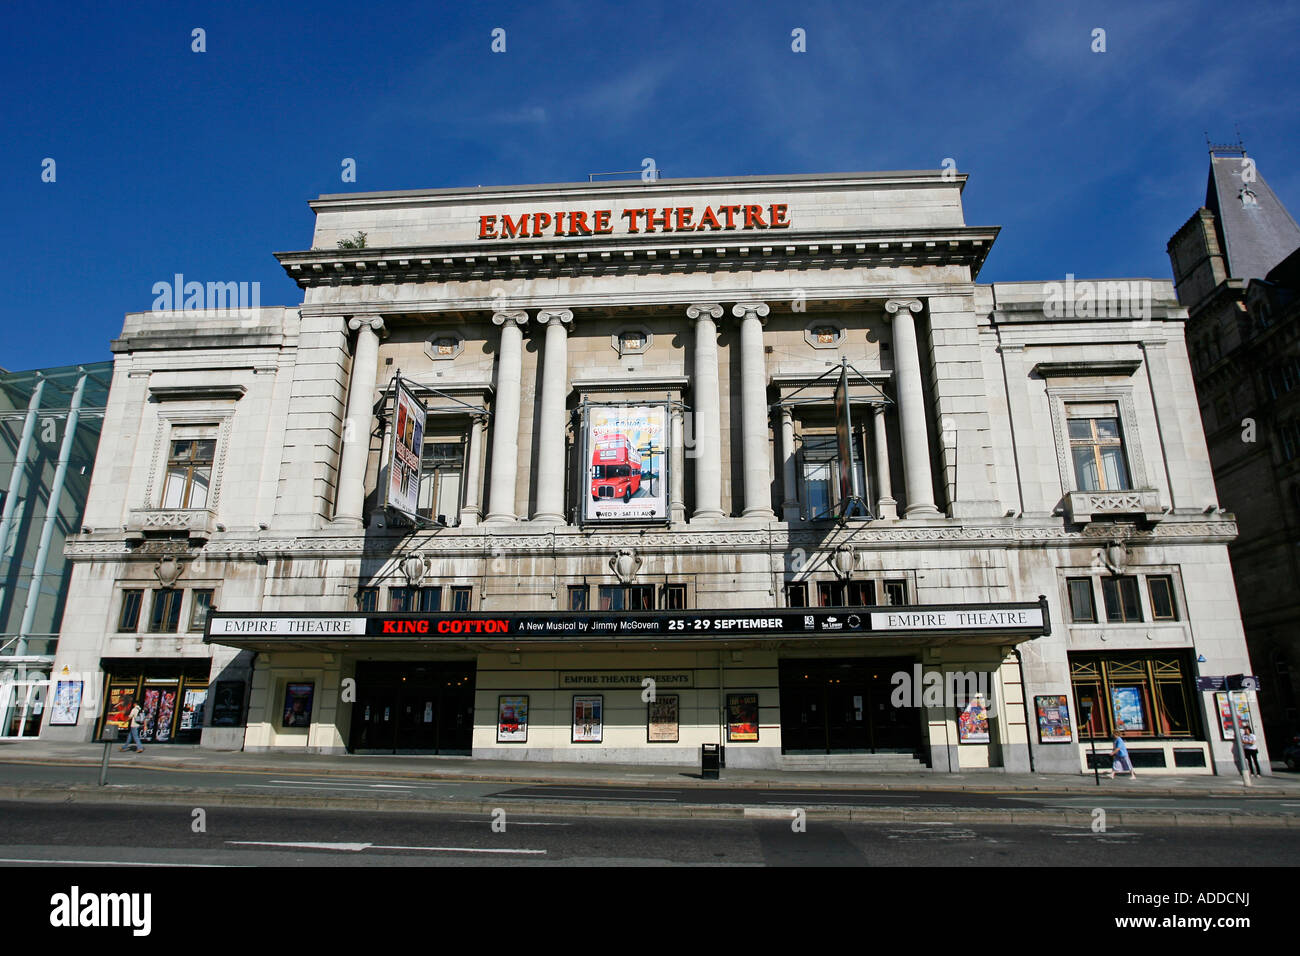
(603,222)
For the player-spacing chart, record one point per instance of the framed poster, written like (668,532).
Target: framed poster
(121,698)
(626,463)
(588,720)
(742,717)
(512,720)
(67,702)
(406,449)
(1053,712)
(662,720)
(1126,706)
(297,704)
(1225,715)
(973,721)
(228,704)
(196,698)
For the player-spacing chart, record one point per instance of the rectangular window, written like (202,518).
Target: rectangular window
(440,478)
(1144,696)
(399,599)
(862,593)
(633,597)
(1097,447)
(674,597)
(200,605)
(368,599)
(1161,590)
(820,470)
(1083,608)
(429,600)
(1121,597)
(460,598)
(830,594)
(796,595)
(129,618)
(189,467)
(895,592)
(165,613)
(578,595)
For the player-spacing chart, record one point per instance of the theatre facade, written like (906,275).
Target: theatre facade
(605,472)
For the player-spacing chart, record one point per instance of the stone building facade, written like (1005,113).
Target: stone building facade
(1236,265)
(1017,511)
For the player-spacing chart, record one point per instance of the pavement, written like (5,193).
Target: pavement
(1282,783)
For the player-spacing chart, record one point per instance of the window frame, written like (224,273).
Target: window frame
(894,582)
(188,466)
(796,587)
(195,604)
(1098,444)
(459,591)
(174,597)
(1092,599)
(1118,581)
(1122,397)
(135,618)
(367,600)
(1168,581)
(583,593)
(674,597)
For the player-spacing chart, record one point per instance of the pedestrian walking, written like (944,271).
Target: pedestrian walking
(1119,758)
(1250,747)
(134,722)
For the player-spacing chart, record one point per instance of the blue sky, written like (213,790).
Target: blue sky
(202,163)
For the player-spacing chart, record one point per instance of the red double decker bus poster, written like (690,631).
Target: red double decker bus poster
(627,463)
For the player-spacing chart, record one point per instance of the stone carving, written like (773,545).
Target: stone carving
(625,564)
(415,567)
(167,571)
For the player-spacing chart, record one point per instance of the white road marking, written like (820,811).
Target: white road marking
(517,823)
(548,796)
(303,786)
(109,863)
(358,847)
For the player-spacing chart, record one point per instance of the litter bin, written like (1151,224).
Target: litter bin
(709,761)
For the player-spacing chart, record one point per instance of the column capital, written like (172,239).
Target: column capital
(704,310)
(518,316)
(374,322)
(750,310)
(895,305)
(547,316)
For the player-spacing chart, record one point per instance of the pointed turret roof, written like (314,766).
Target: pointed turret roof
(1255,230)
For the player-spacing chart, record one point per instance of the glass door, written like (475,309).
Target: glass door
(22,708)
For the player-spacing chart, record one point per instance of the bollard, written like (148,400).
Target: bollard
(110,738)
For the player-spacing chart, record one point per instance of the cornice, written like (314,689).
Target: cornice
(478,543)
(642,254)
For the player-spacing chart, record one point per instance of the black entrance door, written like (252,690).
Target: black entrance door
(843,706)
(419,707)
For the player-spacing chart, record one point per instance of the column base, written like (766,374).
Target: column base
(347,521)
(501,519)
(922,511)
(550,518)
(707,516)
(765,513)
(887,509)
(790,512)
(470,518)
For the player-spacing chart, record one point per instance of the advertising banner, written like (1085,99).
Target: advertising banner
(742,717)
(406,445)
(626,463)
(662,719)
(973,722)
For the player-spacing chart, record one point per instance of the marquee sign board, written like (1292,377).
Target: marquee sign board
(1020,621)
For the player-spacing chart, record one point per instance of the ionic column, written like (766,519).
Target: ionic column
(470,512)
(911,410)
(676,495)
(707,433)
(886,506)
(789,474)
(550,435)
(357,425)
(753,410)
(505,417)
